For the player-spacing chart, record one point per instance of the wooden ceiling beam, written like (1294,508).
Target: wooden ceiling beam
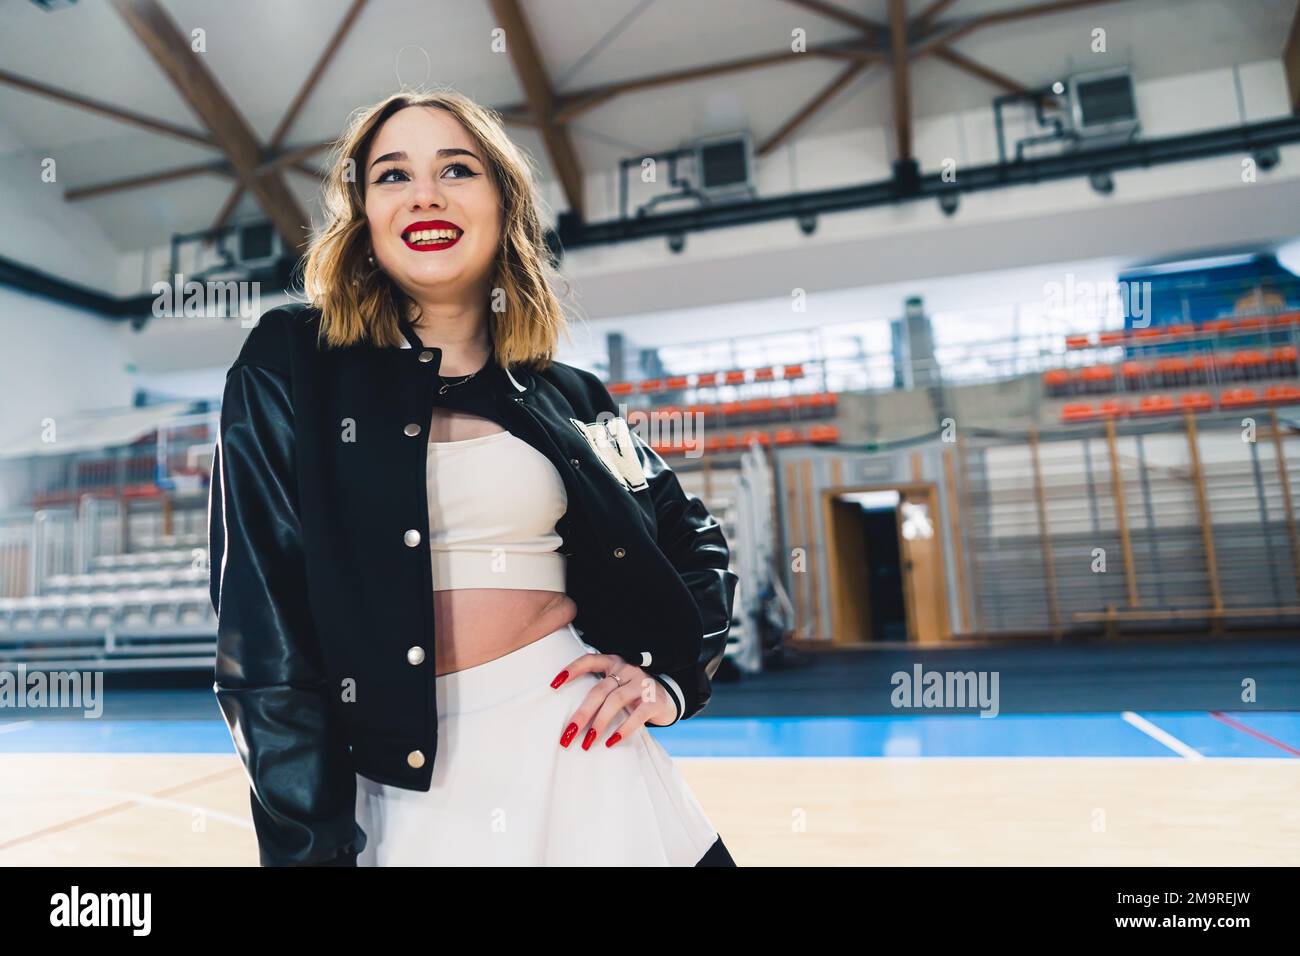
(567,106)
(902,93)
(306,170)
(846,76)
(219,168)
(579,101)
(296,105)
(940,38)
(980,71)
(111,112)
(199,88)
(540,97)
(870,29)
(921,22)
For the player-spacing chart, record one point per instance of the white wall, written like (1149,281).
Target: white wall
(45,233)
(56,360)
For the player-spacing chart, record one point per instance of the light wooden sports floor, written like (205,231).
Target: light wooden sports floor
(192,809)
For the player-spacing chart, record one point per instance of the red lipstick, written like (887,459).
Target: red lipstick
(418,235)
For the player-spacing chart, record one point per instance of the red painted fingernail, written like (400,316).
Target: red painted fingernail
(586,741)
(613,740)
(560,678)
(567,737)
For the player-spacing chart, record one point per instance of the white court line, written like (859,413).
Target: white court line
(1164,737)
(16,725)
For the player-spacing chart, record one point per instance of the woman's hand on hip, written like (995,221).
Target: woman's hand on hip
(622,685)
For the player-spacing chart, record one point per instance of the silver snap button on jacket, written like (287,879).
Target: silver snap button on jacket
(619,552)
(415,655)
(412,538)
(412,429)
(426,356)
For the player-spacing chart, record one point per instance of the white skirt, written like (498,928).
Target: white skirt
(505,793)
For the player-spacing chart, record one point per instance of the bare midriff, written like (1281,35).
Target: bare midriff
(477,625)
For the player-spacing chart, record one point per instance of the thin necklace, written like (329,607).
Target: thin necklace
(463,379)
(446,385)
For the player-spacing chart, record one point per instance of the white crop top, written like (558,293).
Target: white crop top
(493,505)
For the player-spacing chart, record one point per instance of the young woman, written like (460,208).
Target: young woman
(449,654)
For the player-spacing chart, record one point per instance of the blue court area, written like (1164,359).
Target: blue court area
(1177,735)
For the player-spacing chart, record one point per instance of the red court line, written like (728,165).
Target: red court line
(1217,715)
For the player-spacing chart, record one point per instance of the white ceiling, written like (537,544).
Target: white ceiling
(261,52)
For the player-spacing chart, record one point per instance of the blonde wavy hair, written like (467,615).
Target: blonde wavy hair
(358,301)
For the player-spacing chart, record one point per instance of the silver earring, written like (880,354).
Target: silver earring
(371,258)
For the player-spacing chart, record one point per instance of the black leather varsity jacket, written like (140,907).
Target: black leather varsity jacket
(322,580)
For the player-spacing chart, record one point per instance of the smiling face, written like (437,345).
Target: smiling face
(433,210)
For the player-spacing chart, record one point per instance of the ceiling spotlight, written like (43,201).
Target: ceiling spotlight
(948,202)
(676,241)
(807,224)
(1058,87)
(1102,182)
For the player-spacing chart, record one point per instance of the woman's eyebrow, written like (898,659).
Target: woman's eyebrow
(388,157)
(394,157)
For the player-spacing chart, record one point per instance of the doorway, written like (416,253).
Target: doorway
(886,565)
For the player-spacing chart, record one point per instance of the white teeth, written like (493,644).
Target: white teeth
(432,235)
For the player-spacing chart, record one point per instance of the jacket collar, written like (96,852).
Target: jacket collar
(413,342)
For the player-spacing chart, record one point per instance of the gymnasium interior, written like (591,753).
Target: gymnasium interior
(974,322)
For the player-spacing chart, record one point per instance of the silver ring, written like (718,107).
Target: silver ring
(617,682)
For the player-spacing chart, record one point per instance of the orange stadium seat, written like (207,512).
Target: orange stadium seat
(1247,364)
(1078,412)
(1134,373)
(1282,394)
(1172,372)
(1056,381)
(1098,378)
(1156,405)
(1284,360)
(1238,398)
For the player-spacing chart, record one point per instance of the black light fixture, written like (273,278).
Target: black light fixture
(949,201)
(1101,181)
(676,241)
(1267,158)
(807,224)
